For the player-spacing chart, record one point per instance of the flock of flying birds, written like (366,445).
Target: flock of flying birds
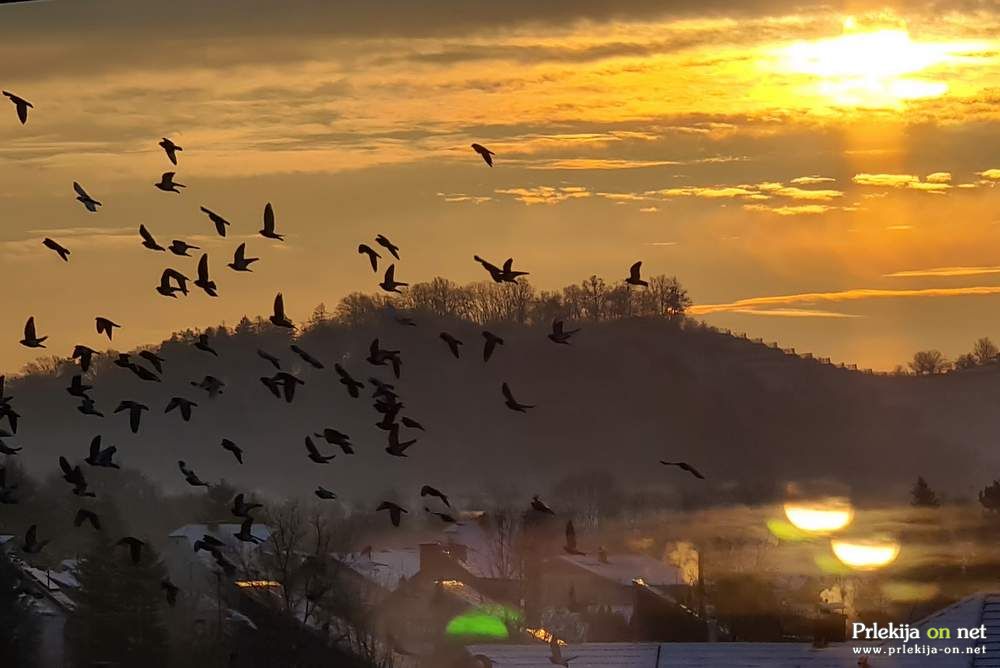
(282,384)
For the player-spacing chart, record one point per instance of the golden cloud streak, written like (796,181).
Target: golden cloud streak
(839,296)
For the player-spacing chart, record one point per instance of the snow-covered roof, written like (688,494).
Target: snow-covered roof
(624,568)
(386,567)
(6,538)
(673,655)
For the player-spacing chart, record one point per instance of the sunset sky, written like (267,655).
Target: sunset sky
(824,175)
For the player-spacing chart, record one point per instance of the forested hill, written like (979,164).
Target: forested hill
(626,393)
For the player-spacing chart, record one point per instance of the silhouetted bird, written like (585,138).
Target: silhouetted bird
(240,260)
(31,543)
(286,382)
(233,448)
(6,449)
(167,183)
(62,251)
(325,494)
(135,410)
(178,247)
(88,202)
(183,404)
(427,490)
(203,345)
(212,385)
(278,318)
(444,517)
(85,355)
(384,242)
(190,476)
(105,326)
(148,241)
(395,511)
(101,458)
(167,288)
(496,273)
(348,381)
(559,334)
(389,282)
(170,590)
(84,515)
(143,373)
(153,359)
(134,548)
(485,152)
(22,106)
(203,281)
(373,256)
(241,508)
(337,438)
(570,546)
(511,402)
(492,341)
(263,354)
(306,357)
(170,149)
(412,424)
(509,275)
(314,454)
(395,447)
(87,407)
(245,534)
(219,222)
(268,230)
(31,339)
(633,276)
(452,342)
(123,361)
(77,388)
(556,658)
(74,476)
(684,466)
(538,505)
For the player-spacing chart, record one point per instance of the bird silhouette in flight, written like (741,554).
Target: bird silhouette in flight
(570,546)
(31,338)
(306,357)
(60,250)
(212,385)
(21,104)
(263,354)
(492,341)
(203,281)
(509,275)
(395,511)
(168,279)
(278,318)
(134,546)
(178,247)
(556,658)
(102,458)
(396,448)
(87,407)
(190,476)
(167,183)
(384,242)
(389,282)
(444,517)
(84,515)
(373,256)
(210,543)
(412,424)
(268,230)
(559,334)
(452,342)
(74,476)
(245,534)
(170,148)
(684,466)
(324,493)
(31,544)
(88,202)
(77,388)
(184,405)
(233,448)
(286,383)
(427,490)
(633,276)
(170,590)
(485,152)
(314,453)
(153,359)
(539,506)
(143,373)
(85,355)
(241,508)
(240,260)
(353,386)
(338,438)
(148,241)
(496,273)
(6,449)
(105,326)
(380,357)
(220,222)
(135,410)
(203,345)
(123,361)
(511,402)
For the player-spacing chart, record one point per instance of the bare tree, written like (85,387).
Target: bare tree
(929,362)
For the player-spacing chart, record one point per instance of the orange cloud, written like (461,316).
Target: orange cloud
(839,296)
(944,271)
(545,194)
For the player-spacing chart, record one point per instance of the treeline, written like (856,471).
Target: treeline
(931,362)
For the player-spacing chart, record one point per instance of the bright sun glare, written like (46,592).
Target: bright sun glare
(820,517)
(875,68)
